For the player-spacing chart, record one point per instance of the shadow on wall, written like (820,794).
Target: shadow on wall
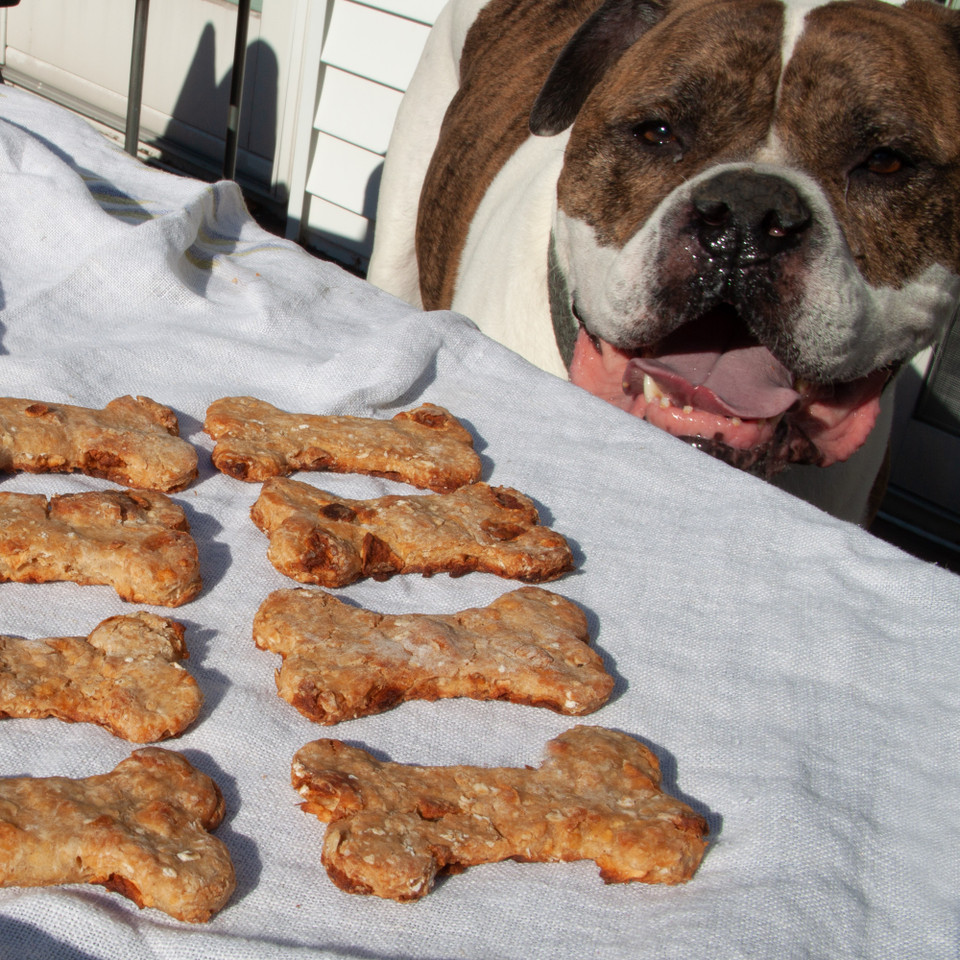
(194,142)
(353,252)
(196,132)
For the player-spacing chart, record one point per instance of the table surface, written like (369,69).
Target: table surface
(796,677)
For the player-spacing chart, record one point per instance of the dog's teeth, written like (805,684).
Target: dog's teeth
(736,421)
(664,402)
(688,409)
(651,392)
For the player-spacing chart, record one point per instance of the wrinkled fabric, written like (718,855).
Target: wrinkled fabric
(797,678)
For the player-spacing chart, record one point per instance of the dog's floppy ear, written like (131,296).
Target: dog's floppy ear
(599,42)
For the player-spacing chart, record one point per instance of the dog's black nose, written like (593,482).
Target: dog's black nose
(742,217)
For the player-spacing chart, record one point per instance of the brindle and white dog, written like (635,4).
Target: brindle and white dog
(733,218)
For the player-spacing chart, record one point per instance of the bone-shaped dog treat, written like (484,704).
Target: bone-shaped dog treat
(125,676)
(140,830)
(529,646)
(596,797)
(138,542)
(426,447)
(316,537)
(133,441)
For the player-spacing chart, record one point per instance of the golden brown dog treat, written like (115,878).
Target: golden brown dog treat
(138,542)
(133,441)
(340,662)
(125,676)
(426,447)
(597,796)
(140,830)
(316,537)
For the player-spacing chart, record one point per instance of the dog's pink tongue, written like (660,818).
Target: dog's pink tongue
(835,420)
(743,381)
(714,365)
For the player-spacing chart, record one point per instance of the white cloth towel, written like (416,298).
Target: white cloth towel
(797,678)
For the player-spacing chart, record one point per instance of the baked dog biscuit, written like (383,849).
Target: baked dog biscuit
(140,830)
(426,447)
(340,662)
(125,676)
(316,537)
(133,441)
(138,542)
(393,828)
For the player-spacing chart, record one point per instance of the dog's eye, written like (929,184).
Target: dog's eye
(885,162)
(655,133)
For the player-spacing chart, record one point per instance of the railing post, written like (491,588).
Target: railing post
(236,90)
(135,89)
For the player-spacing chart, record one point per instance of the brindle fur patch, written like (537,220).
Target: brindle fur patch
(501,73)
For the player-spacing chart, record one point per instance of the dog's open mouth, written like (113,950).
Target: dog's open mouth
(712,384)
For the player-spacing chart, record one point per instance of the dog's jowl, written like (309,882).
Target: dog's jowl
(733,218)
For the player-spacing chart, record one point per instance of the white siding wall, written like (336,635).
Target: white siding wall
(79,53)
(323,82)
(365,55)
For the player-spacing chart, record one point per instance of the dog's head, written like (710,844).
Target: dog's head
(757,215)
